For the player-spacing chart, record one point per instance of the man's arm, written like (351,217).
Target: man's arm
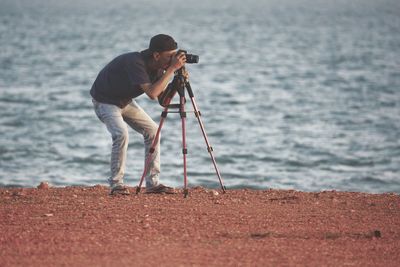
(153,90)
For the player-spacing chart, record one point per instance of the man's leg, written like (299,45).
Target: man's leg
(111,116)
(138,119)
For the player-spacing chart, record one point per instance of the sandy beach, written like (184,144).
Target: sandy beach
(84,226)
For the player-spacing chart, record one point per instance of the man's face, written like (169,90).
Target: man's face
(163,59)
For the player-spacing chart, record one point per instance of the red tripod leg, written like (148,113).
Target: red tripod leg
(152,149)
(184,148)
(209,147)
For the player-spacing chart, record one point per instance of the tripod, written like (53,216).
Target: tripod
(179,84)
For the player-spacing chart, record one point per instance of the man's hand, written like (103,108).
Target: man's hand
(178,61)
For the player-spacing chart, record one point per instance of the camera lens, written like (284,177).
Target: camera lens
(190,58)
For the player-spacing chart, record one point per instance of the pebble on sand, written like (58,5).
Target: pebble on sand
(43,185)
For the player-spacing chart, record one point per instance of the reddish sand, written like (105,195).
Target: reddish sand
(84,226)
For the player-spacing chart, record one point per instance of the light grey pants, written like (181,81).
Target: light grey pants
(116,120)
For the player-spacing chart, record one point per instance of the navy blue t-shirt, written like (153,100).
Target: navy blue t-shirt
(119,81)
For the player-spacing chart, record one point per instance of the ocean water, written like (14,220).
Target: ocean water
(298,94)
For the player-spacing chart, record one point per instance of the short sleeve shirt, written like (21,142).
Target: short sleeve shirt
(119,81)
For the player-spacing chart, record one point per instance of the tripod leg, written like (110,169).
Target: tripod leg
(209,147)
(152,149)
(184,148)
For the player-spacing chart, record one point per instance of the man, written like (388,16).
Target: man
(118,83)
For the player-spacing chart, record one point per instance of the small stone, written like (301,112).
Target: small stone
(48,215)
(377,234)
(75,196)
(214,193)
(43,185)
(17,193)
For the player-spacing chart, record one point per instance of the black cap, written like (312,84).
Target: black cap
(161,43)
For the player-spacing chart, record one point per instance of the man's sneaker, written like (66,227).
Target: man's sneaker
(160,189)
(119,189)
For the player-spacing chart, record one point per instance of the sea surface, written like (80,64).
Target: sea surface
(300,95)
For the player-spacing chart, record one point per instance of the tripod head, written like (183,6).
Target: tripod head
(180,73)
(178,84)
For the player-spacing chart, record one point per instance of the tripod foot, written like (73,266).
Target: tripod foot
(137,190)
(185,193)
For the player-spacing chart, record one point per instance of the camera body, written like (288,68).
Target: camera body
(190,58)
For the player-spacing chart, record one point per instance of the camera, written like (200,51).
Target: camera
(190,58)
